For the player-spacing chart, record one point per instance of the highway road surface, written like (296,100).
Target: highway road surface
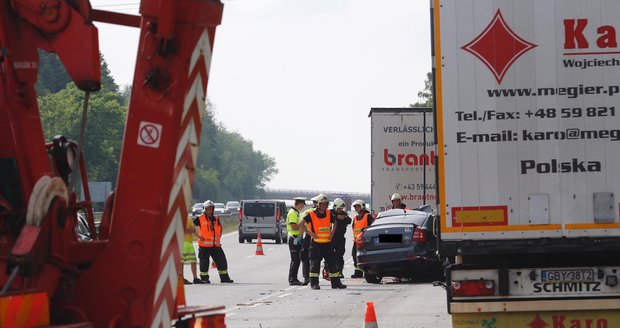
(262,298)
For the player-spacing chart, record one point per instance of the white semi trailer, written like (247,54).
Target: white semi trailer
(528,132)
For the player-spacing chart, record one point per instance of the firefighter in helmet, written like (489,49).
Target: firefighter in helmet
(362,220)
(322,224)
(397,203)
(209,230)
(338,241)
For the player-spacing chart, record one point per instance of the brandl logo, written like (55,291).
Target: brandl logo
(498,47)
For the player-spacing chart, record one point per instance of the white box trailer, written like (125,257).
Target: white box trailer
(528,130)
(403,157)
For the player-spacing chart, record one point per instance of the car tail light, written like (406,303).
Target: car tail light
(278,215)
(479,287)
(240,215)
(359,241)
(420,235)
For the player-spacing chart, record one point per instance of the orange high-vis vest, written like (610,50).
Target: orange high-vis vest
(211,233)
(322,227)
(359,225)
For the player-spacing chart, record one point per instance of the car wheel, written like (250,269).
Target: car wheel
(372,279)
(241,239)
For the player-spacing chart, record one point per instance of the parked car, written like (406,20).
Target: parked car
(220,209)
(401,244)
(233,207)
(267,217)
(197,209)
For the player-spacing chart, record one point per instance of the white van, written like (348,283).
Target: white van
(267,217)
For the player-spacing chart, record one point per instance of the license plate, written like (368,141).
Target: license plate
(561,276)
(375,240)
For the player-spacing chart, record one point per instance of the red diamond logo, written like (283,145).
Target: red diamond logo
(498,47)
(538,322)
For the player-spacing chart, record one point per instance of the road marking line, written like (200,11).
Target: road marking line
(250,256)
(287,289)
(268,249)
(230,314)
(285,295)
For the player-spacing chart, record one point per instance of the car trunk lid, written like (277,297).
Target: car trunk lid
(386,236)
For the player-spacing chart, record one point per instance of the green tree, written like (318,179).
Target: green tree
(53,76)
(61,114)
(425,96)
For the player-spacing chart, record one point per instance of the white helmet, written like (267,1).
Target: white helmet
(313,199)
(321,198)
(395,197)
(339,203)
(208,203)
(360,203)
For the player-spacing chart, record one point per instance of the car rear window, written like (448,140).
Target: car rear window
(259,209)
(417,219)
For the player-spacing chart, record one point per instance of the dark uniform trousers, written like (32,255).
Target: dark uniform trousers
(217,253)
(354,254)
(339,250)
(295,251)
(304,255)
(317,253)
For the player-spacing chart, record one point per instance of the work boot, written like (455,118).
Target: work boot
(336,284)
(306,282)
(187,282)
(205,279)
(199,281)
(314,282)
(294,282)
(358,274)
(225,279)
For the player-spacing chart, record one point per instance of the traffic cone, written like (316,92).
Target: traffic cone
(370,320)
(259,246)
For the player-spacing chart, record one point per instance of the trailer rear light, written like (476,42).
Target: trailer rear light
(420,235)
(240,215)
(479,287)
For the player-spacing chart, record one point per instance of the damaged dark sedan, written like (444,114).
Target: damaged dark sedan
(400,244)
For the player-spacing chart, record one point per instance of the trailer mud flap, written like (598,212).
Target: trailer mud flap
(553,319)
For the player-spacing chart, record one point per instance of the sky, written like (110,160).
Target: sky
(299,77)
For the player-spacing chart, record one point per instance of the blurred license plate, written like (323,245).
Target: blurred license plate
(580,275)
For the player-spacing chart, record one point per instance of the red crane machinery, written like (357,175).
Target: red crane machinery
(130,274)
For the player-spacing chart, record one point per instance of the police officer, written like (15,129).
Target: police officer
(295,240)
(362,220)
(322,224)
(209,230)
(338,240)
(397,203)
